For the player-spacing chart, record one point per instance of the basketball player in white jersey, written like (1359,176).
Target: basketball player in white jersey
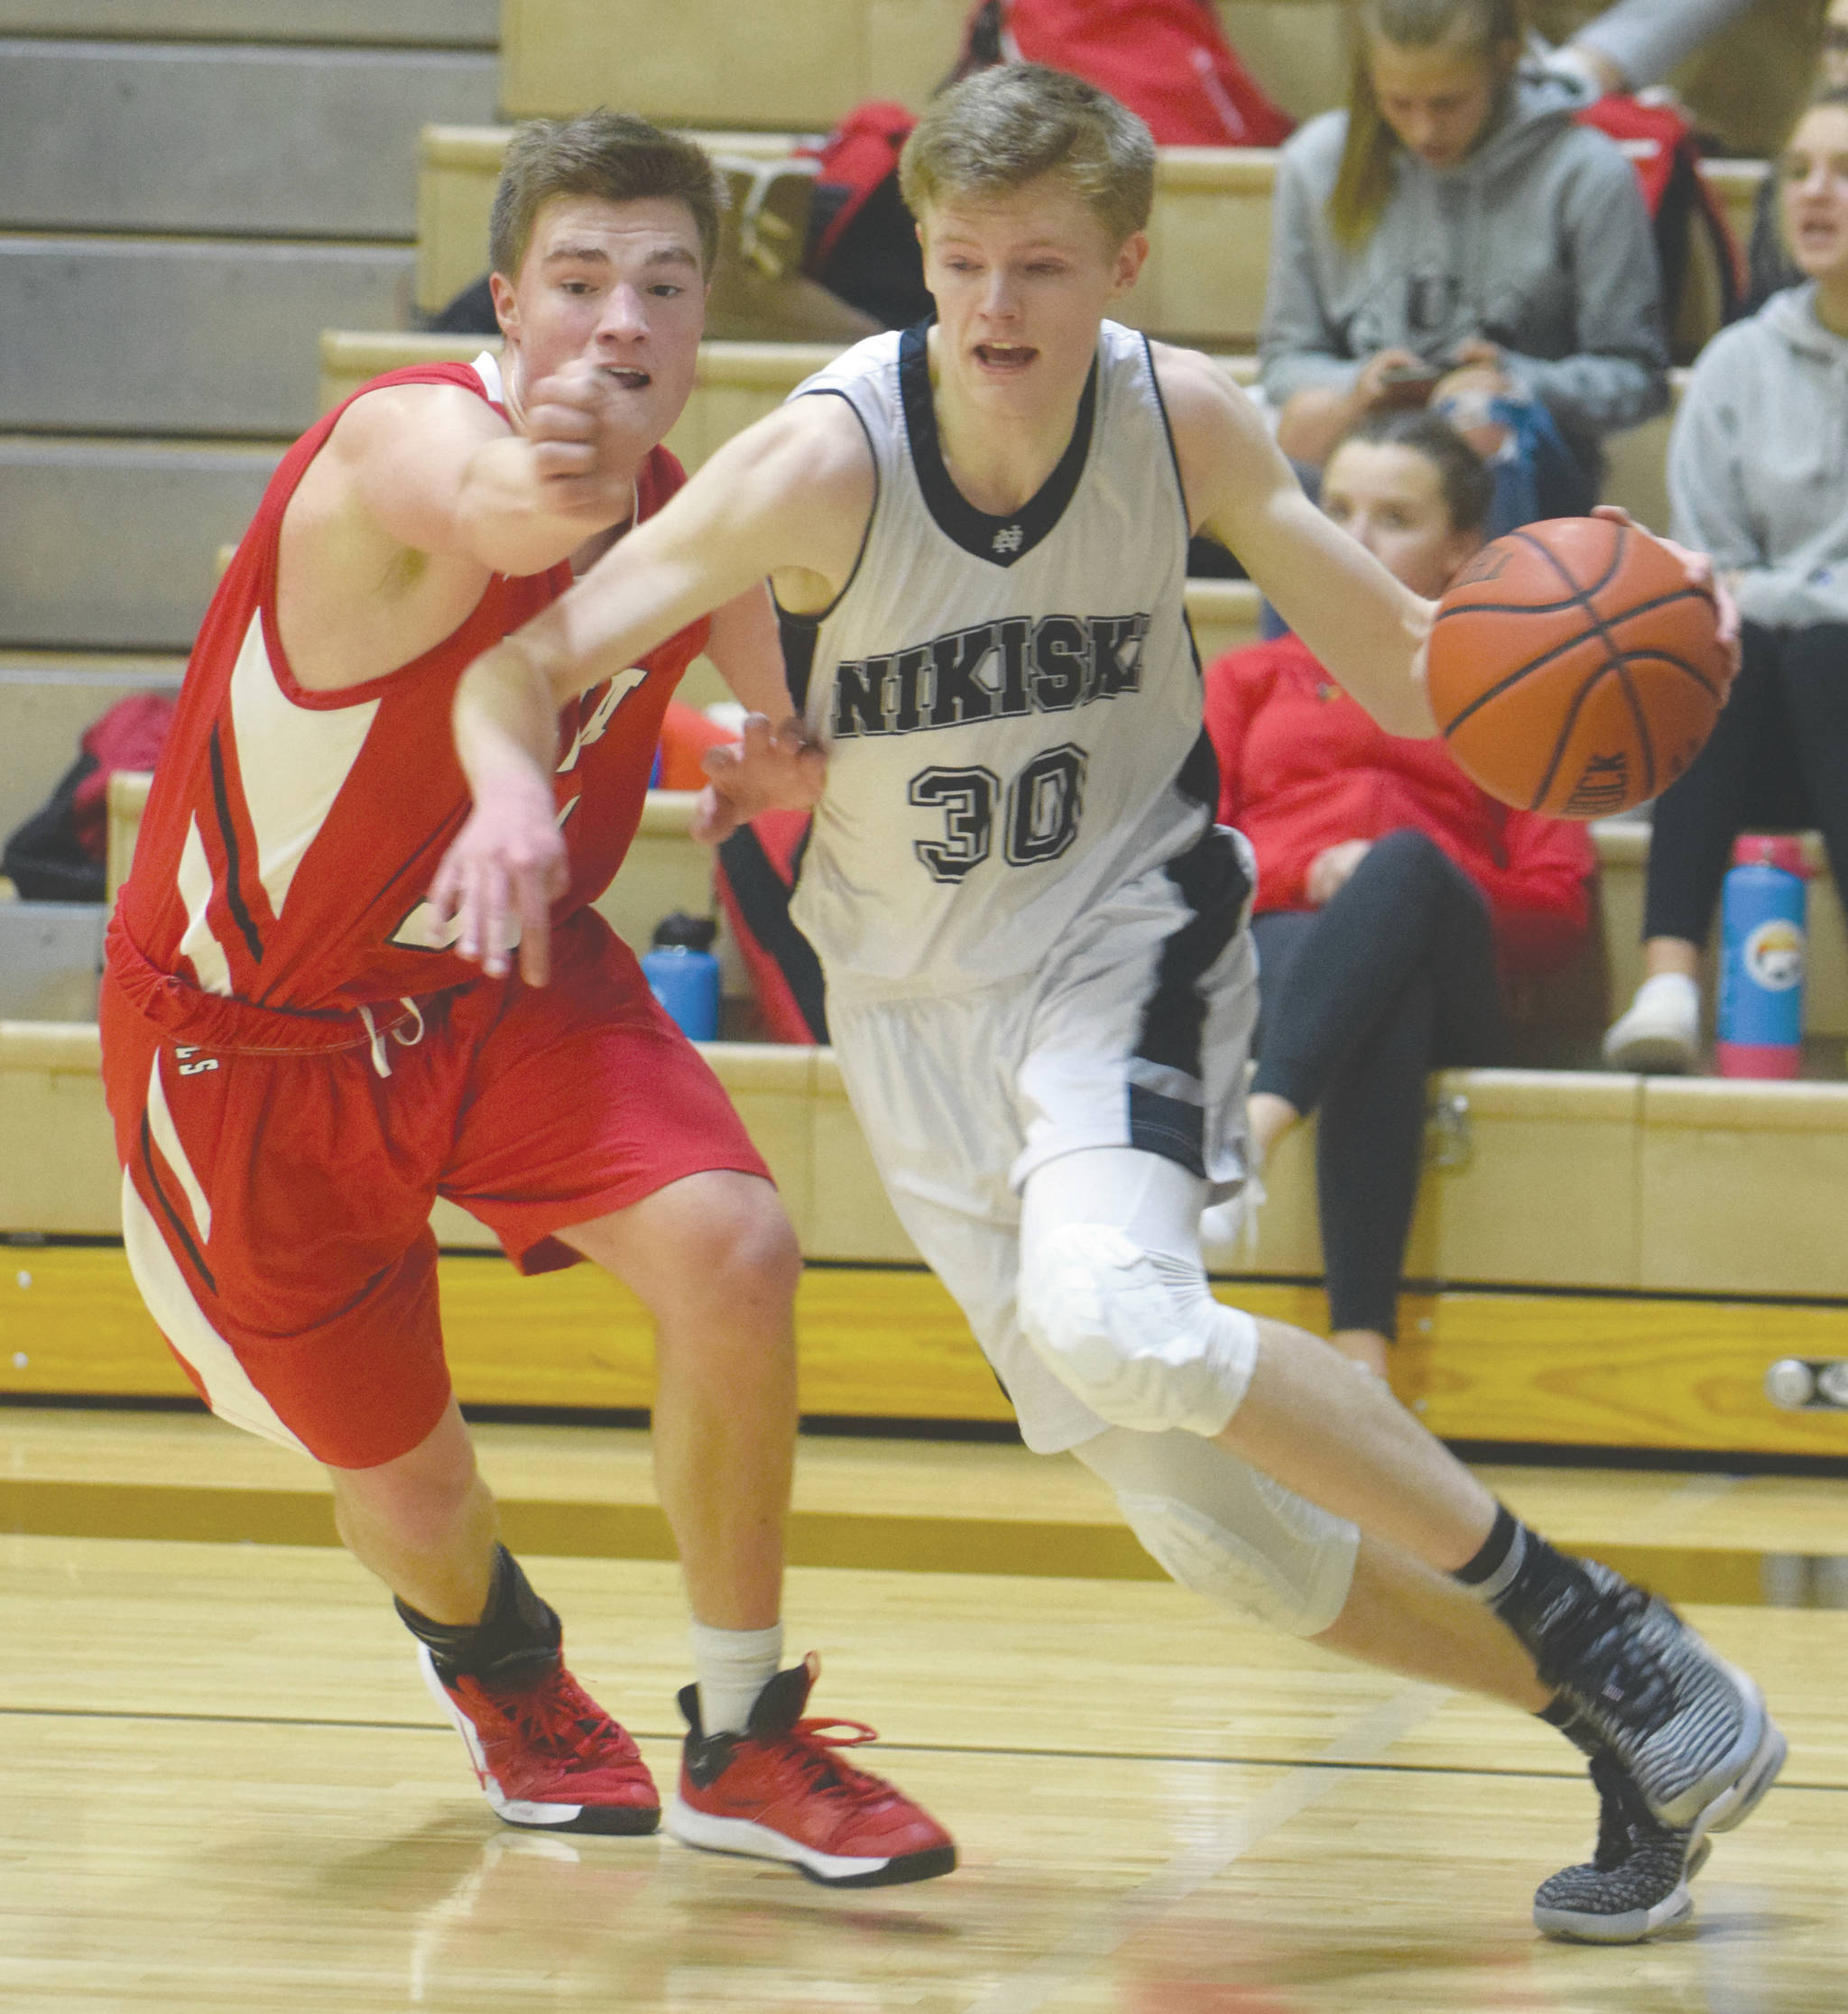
(1041,986)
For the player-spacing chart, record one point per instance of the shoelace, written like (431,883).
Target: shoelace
(818,1748)
(1587,1641)
(560,1719)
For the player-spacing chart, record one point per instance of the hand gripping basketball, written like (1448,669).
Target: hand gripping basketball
(1578,665)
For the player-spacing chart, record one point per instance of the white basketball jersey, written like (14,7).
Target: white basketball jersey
(1012,705)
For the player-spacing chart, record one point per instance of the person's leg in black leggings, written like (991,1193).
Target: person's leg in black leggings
(1696,818)
(1750,773)
(1812,666)
(1359,1001)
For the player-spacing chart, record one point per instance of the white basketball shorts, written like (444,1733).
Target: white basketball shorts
(1134,1032)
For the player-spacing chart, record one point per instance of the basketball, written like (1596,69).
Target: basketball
(1574,669)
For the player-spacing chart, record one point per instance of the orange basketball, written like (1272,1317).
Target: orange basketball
(1574,670)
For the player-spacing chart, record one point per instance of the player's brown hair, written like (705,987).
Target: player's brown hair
(1464,477)
(612,154)
(1001,129)
(1491,29)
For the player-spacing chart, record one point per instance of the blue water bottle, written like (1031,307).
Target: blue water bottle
(1762,913)
(683,974)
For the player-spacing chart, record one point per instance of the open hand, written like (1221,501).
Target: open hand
(500,878)
(778,769)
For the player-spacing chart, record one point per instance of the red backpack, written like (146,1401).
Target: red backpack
(1662,149)
(1168,61)
(862,244)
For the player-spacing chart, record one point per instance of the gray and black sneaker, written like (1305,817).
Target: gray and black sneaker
(1636,1881)
(1690,1729)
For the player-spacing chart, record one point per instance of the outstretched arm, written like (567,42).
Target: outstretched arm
(788,497)
(778,766)
(442,473)
(1357,619)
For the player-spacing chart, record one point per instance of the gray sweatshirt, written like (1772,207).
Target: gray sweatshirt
(1647,38)
(1539,241)
(1757,463)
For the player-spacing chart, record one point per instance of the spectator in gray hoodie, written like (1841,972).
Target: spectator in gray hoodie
(1758,476)
(1454,237)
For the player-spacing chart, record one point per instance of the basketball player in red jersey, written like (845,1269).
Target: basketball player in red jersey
(297,1060)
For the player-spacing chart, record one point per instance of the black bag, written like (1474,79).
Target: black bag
(43,859)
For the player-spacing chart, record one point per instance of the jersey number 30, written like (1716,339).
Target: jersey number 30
(1040,819)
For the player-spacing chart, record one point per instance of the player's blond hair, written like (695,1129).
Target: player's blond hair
(612,154)
(1001,129)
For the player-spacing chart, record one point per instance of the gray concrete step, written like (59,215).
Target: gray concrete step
(454,23)
(109,544)
(320,142)
(177,336)
(50,960)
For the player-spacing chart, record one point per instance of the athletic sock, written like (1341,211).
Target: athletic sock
(518,1633)
(1520,1575)
(1560,1713)
(732,1667)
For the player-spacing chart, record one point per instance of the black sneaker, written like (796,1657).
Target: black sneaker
(1690,1729)
(1636,1881)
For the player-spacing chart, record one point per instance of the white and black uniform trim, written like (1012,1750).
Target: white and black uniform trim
(1011,704)
(1167,1115)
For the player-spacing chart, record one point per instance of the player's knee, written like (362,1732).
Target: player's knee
(742,1253)
(1136,1336)
(420,1499)
(1298,1584)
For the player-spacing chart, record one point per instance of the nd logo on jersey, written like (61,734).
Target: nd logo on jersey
(596,709)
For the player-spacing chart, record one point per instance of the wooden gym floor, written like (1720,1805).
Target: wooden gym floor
(222,1786)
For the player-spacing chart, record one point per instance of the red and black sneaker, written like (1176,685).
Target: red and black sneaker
(781,1790)
(546,1755)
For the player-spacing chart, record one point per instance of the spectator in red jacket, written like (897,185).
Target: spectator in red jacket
(1391,893)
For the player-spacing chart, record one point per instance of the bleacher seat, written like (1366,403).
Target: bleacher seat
(1209,236)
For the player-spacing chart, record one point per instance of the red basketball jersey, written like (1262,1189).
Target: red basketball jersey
(291,836)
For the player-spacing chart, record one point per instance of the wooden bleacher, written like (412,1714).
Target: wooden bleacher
(1209,236)
(1566,1222)
(738,383)
(1568,1216)
(800,64)
(1570,1230)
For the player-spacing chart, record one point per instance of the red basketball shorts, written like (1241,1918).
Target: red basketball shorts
(275,1208)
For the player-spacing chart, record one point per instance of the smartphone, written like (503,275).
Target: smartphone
(1408,383)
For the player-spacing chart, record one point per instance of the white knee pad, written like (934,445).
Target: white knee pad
(1135,1335)
(1299,1586)
(1228,1531)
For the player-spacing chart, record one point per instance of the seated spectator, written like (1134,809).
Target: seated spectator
(1454,238)
(1758,477)
(1771,267)
(1390,888)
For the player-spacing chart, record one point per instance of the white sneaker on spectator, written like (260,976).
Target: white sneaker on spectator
(1661,1031)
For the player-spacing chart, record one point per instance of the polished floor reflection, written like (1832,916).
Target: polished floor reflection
(222,1788)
